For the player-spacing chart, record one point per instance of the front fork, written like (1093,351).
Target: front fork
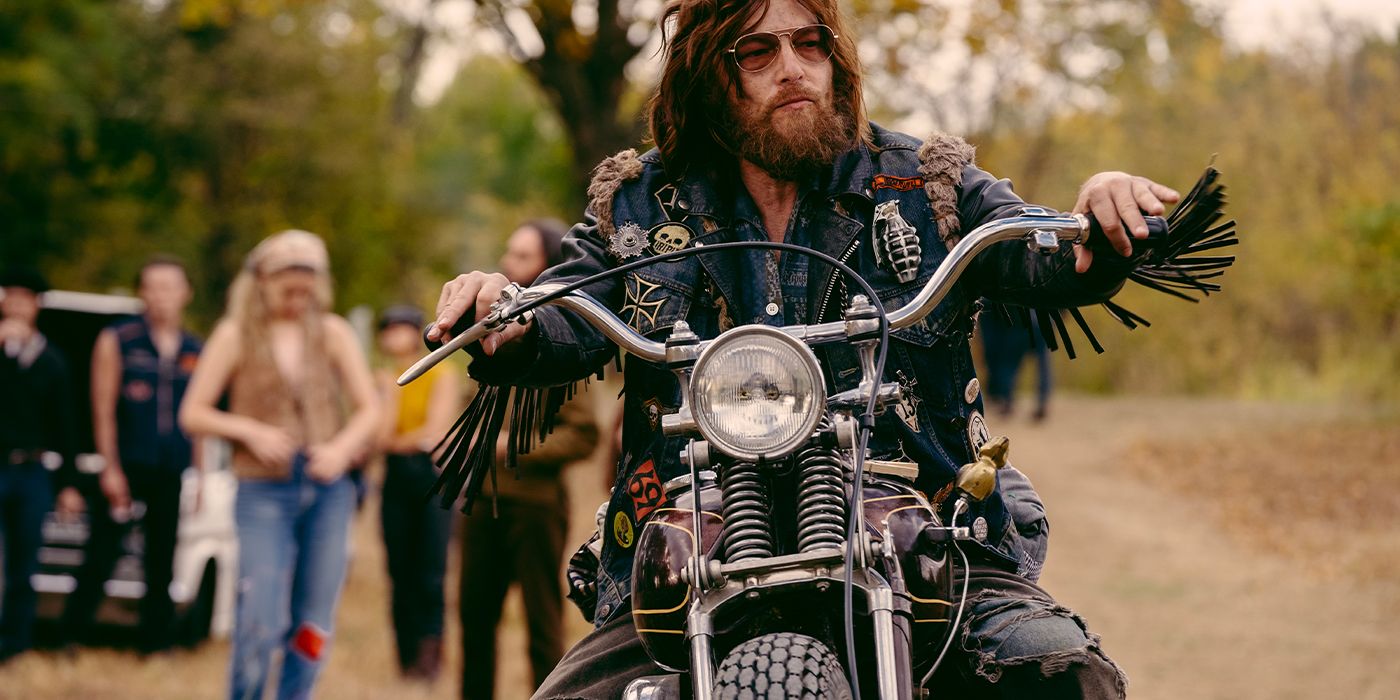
(892,637)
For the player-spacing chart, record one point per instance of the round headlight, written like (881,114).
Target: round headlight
(757,392)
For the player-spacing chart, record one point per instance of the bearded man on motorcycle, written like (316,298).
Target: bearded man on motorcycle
(761,134)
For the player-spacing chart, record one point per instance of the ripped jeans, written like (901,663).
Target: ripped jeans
(1018,642)
(292,555)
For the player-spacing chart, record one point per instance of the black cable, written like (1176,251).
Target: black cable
(712,247)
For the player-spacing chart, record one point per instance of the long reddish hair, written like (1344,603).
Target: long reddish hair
(698,74)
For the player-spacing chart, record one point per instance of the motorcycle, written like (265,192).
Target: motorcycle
(785,563)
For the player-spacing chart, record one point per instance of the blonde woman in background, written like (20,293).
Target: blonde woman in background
(289,367)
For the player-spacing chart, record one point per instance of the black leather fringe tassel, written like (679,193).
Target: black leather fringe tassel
(467,454)
(1176,267)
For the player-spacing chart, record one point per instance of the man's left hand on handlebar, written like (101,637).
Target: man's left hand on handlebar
(1118,200)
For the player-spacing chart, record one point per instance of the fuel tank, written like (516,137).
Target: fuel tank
(660,599)
(894,507)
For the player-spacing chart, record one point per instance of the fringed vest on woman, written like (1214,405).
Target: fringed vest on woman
(310,414)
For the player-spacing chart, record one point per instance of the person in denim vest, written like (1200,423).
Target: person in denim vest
(761,134)
(290,368)
(140,369)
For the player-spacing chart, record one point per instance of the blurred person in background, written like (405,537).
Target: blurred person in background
(416,531)
(289,366)
(524,541)
(35,418)
(140,369)
(1004,346)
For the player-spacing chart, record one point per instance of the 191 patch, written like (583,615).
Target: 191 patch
(644,488)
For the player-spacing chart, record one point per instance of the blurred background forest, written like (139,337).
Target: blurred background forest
(414,135)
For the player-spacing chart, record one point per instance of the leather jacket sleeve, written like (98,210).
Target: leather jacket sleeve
(1011,273)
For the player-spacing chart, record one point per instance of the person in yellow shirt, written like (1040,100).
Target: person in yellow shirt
(416,531)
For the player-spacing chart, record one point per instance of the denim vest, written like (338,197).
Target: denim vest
(152,389)
(937,427)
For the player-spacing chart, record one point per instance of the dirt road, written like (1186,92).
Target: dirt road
(1186,605)
(1196,595)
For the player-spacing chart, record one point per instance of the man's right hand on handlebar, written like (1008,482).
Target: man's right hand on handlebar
(474,290)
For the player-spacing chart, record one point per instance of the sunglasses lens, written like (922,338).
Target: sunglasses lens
(812,44)
(755,51)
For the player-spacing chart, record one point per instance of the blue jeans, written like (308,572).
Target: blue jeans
(292,555)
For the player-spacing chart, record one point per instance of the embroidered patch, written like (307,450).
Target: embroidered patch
(908,408)
(977,433)
(669,237)
(639,304)
(898,184)
(629,241)
(666,196)
(942,494)
(896,242)
(645,490)
(622,530)
(138,391)
(726,320)
(652,409)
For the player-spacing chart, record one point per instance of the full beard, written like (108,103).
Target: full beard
(791,145)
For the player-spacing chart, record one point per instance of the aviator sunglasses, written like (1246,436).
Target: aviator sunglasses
(756,51)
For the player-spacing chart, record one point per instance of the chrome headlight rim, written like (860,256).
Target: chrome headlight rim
(810,366)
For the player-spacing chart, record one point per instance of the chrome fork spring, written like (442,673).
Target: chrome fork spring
(748,530)
(821,500)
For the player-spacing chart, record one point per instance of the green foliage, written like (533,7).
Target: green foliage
(197,127)
(200,128)
(1309,151)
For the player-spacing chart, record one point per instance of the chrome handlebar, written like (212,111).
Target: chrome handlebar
(1044,229)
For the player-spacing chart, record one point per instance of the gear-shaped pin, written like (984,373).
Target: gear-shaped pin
(629,241)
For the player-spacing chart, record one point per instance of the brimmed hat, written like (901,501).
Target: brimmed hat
(25,278)
(292,249)
(401,313)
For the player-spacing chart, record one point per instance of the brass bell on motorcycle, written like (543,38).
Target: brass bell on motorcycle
(977,479)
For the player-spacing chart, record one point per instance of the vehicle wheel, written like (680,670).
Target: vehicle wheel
(200,615)
(783,666)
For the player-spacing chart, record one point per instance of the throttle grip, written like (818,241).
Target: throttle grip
(1157,235)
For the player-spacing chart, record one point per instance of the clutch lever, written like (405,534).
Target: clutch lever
(502,312)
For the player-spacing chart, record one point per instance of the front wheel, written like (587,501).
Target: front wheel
(784,666)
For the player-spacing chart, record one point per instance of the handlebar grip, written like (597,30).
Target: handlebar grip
(1157,236)
(433,344)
